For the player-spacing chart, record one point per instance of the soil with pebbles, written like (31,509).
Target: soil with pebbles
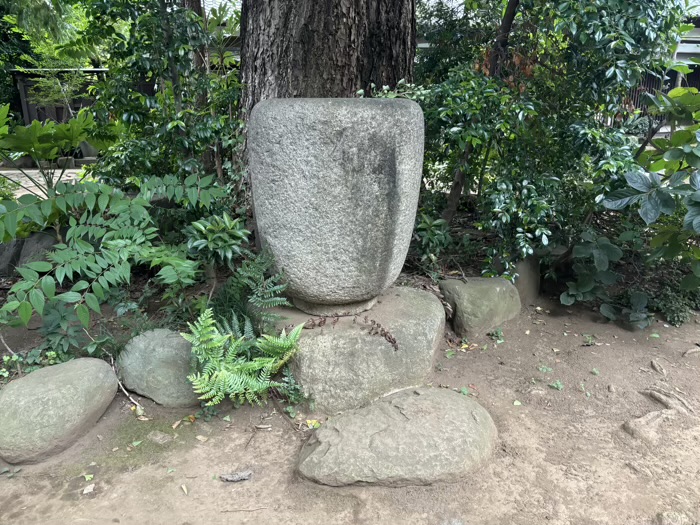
(563,456)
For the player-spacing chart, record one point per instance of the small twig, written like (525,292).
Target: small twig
(13,353)
(121,385)
(691,352)
(244,510)
(19,367)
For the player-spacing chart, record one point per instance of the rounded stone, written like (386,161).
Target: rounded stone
(414,437)
(155,364)
(46,411)
(335,187)
(480,304)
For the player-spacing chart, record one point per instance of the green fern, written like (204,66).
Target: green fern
(249,294)
(234,363)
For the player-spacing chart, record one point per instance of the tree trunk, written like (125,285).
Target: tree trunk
(307,48)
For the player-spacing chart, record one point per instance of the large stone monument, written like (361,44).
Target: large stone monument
(335,190)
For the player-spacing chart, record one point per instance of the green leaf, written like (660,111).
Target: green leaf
(650,208)
(600,259)
(99,291)
(639,300)
(674,154)
(608,311)
(690,282)
(83,315)
(639,181)
(25,312)
(92,302)
(40,266)
(620,199)
(69,297)
(48,285)
(90,200)
(37,299)
(567,299)
(10,221)
(103,201)
(80,286)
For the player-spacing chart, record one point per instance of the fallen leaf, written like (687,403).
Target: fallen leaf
(135,443)
(115,449)
(88,477)
(263,427)
(140,411)
(89,489)
(171,470)
(143,418)
(517,403)
(203,439)
(176,424)
(527,332)
(184,489)
(227,419)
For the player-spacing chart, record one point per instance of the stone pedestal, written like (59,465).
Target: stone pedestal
(349,362)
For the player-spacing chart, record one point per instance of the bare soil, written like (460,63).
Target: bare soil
(562,456)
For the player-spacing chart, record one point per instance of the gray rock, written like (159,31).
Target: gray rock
(414,437)
(479,304)
(335,189)
(48,410)
(159,438)
(528,281)
(9,256)
(36,245)
(155,364)
(341,366)
(672,518)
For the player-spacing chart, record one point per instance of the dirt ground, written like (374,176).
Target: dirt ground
(562,456)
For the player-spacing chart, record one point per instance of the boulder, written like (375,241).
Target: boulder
(36,245)
(155,364)
(48,410)
(414,437)
(335,187)
(348,363)
(480,304)
(9,256)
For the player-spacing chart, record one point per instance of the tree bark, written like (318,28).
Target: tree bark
(498,53)
(330,48)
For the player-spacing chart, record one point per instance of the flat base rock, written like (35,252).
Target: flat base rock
(414,437)
(48,410)
(334,310)
(156,364)
(480,304)
(347,362)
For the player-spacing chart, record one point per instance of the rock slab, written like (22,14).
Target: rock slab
(480,304)
(335,187)
(414,437)
(347,363)
(36,245)
(46,411)
(155,364)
